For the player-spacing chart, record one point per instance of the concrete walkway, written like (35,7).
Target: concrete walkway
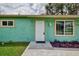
(34,45)
(45,49)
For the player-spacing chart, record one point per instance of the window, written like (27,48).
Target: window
(7,23)
(69,28)
(4,23)
(10,23)
(60,27)
(64,27)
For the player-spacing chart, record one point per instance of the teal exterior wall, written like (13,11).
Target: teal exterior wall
(23,31)
(50,31)
(77,29)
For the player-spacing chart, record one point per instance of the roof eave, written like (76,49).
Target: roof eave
(43,16)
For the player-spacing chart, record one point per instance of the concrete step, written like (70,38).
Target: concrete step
(34,45)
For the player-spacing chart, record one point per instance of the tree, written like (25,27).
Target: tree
(62,8)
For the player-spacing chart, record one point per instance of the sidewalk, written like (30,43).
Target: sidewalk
(45,49)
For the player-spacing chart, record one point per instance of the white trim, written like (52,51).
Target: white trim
(0,23)
(7,21)
(64,28)
(73,28)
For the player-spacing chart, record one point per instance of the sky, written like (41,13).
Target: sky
(22,8)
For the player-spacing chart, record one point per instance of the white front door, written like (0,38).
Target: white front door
(39,30)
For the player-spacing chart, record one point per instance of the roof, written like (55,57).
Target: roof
(43,16)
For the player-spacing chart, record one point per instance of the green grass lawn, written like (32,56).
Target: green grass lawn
(13,49)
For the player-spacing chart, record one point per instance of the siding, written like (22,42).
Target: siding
(23,30)
(50,32)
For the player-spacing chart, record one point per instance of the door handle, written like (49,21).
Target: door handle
(44,33)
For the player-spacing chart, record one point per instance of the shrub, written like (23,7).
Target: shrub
(65,44)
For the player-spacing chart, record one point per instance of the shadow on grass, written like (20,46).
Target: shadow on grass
(14,44)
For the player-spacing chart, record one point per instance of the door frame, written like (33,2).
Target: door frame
(43,33)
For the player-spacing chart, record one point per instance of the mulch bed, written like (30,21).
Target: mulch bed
(65,44)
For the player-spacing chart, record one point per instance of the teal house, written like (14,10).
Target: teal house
(39,28)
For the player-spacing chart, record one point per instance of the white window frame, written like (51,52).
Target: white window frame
(64,28)
(7,21)
(0,23)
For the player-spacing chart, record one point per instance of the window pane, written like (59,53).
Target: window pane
(10,23)
(60,27)
(69,28)
(4,23)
